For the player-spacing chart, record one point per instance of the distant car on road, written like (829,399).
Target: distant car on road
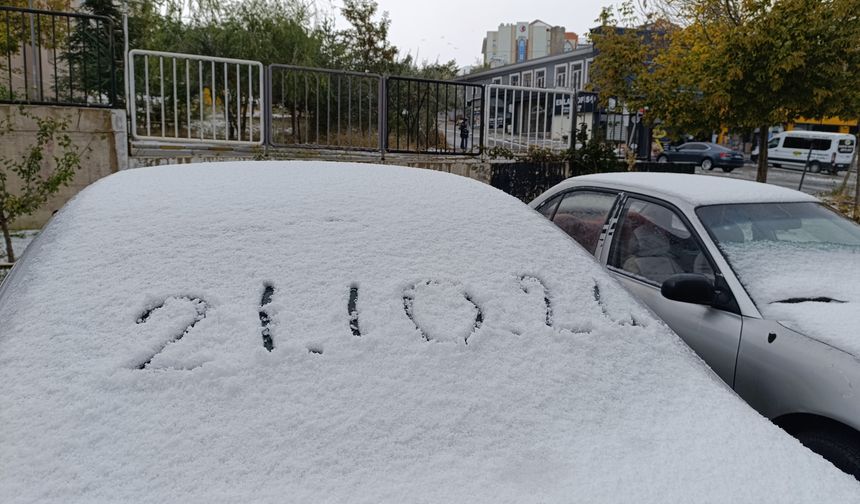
(310,332)
(704,154)
(762,282)
(817,150)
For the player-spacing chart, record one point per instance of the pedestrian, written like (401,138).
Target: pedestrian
(464,133)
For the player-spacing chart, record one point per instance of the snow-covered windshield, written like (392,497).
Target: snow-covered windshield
(799,262)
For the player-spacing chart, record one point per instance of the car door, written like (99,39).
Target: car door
(691,152)
(794,151)
(649,241)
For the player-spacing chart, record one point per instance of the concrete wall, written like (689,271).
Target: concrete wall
(474,168)
(100,133)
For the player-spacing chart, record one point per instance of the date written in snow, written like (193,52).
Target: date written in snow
(198,307)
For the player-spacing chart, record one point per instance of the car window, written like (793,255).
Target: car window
(547,208)
(808,223)
(694,147)
(792,142)
(821,144)
(582,215)
(773,143)
(654,243)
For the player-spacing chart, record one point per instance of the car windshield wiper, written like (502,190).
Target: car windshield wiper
(822,299)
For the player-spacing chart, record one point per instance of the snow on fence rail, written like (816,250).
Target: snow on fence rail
(519,117)
(196,99)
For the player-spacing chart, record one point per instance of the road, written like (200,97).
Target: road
(813,183)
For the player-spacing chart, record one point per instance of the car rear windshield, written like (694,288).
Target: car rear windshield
(806,222)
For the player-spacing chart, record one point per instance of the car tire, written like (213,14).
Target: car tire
(814,167)
(707,164)
(728,169)
(839,446)
(662,159)
(754,159)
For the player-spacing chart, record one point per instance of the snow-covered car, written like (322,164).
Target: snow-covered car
(762,282)
(334,332)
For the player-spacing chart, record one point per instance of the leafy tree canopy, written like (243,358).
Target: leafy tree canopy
(703,64)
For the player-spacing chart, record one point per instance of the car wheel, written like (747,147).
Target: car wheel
(814,167)
(754,159)
(728,169)
(662,159)
(707,164)
(838,446)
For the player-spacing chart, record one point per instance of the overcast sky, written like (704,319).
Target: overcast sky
(454,29)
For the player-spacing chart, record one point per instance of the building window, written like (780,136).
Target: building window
(496,80)
(561,76)
(514,80)
(540,78)
(527,79)
(587,78)
(576,76)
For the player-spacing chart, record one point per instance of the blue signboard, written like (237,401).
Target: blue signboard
(521,50)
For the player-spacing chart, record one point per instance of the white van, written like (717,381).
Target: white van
(831,152)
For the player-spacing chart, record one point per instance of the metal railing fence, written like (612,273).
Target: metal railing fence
(318,108)
(433,116)
(618,126)
(56,58)
(517,118)
(196,99)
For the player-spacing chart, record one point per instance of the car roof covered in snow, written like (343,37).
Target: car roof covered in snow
(695,190)
(333,332)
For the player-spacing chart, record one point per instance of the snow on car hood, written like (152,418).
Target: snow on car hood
(811,288)
(313,332)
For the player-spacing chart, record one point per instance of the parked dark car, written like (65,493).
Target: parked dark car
(707,155)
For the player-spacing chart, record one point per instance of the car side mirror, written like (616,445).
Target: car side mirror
(689,288)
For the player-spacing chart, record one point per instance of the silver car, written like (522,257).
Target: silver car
(762,282)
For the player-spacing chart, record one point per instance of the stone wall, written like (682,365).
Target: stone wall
(100,133)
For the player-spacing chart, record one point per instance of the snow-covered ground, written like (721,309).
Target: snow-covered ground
(315,332)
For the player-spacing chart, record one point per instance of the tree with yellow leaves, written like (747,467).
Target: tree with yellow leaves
(738,63)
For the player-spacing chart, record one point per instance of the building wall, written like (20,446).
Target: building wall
(539,41)
(573,63)
(500,46)
(100,133)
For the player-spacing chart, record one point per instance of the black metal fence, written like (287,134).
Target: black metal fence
(317,108)
(626,130)
(56,58)
(433,116)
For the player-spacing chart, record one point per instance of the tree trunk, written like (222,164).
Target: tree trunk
(761,175)
(7,236)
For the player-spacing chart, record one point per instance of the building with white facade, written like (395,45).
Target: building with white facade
(522,41)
